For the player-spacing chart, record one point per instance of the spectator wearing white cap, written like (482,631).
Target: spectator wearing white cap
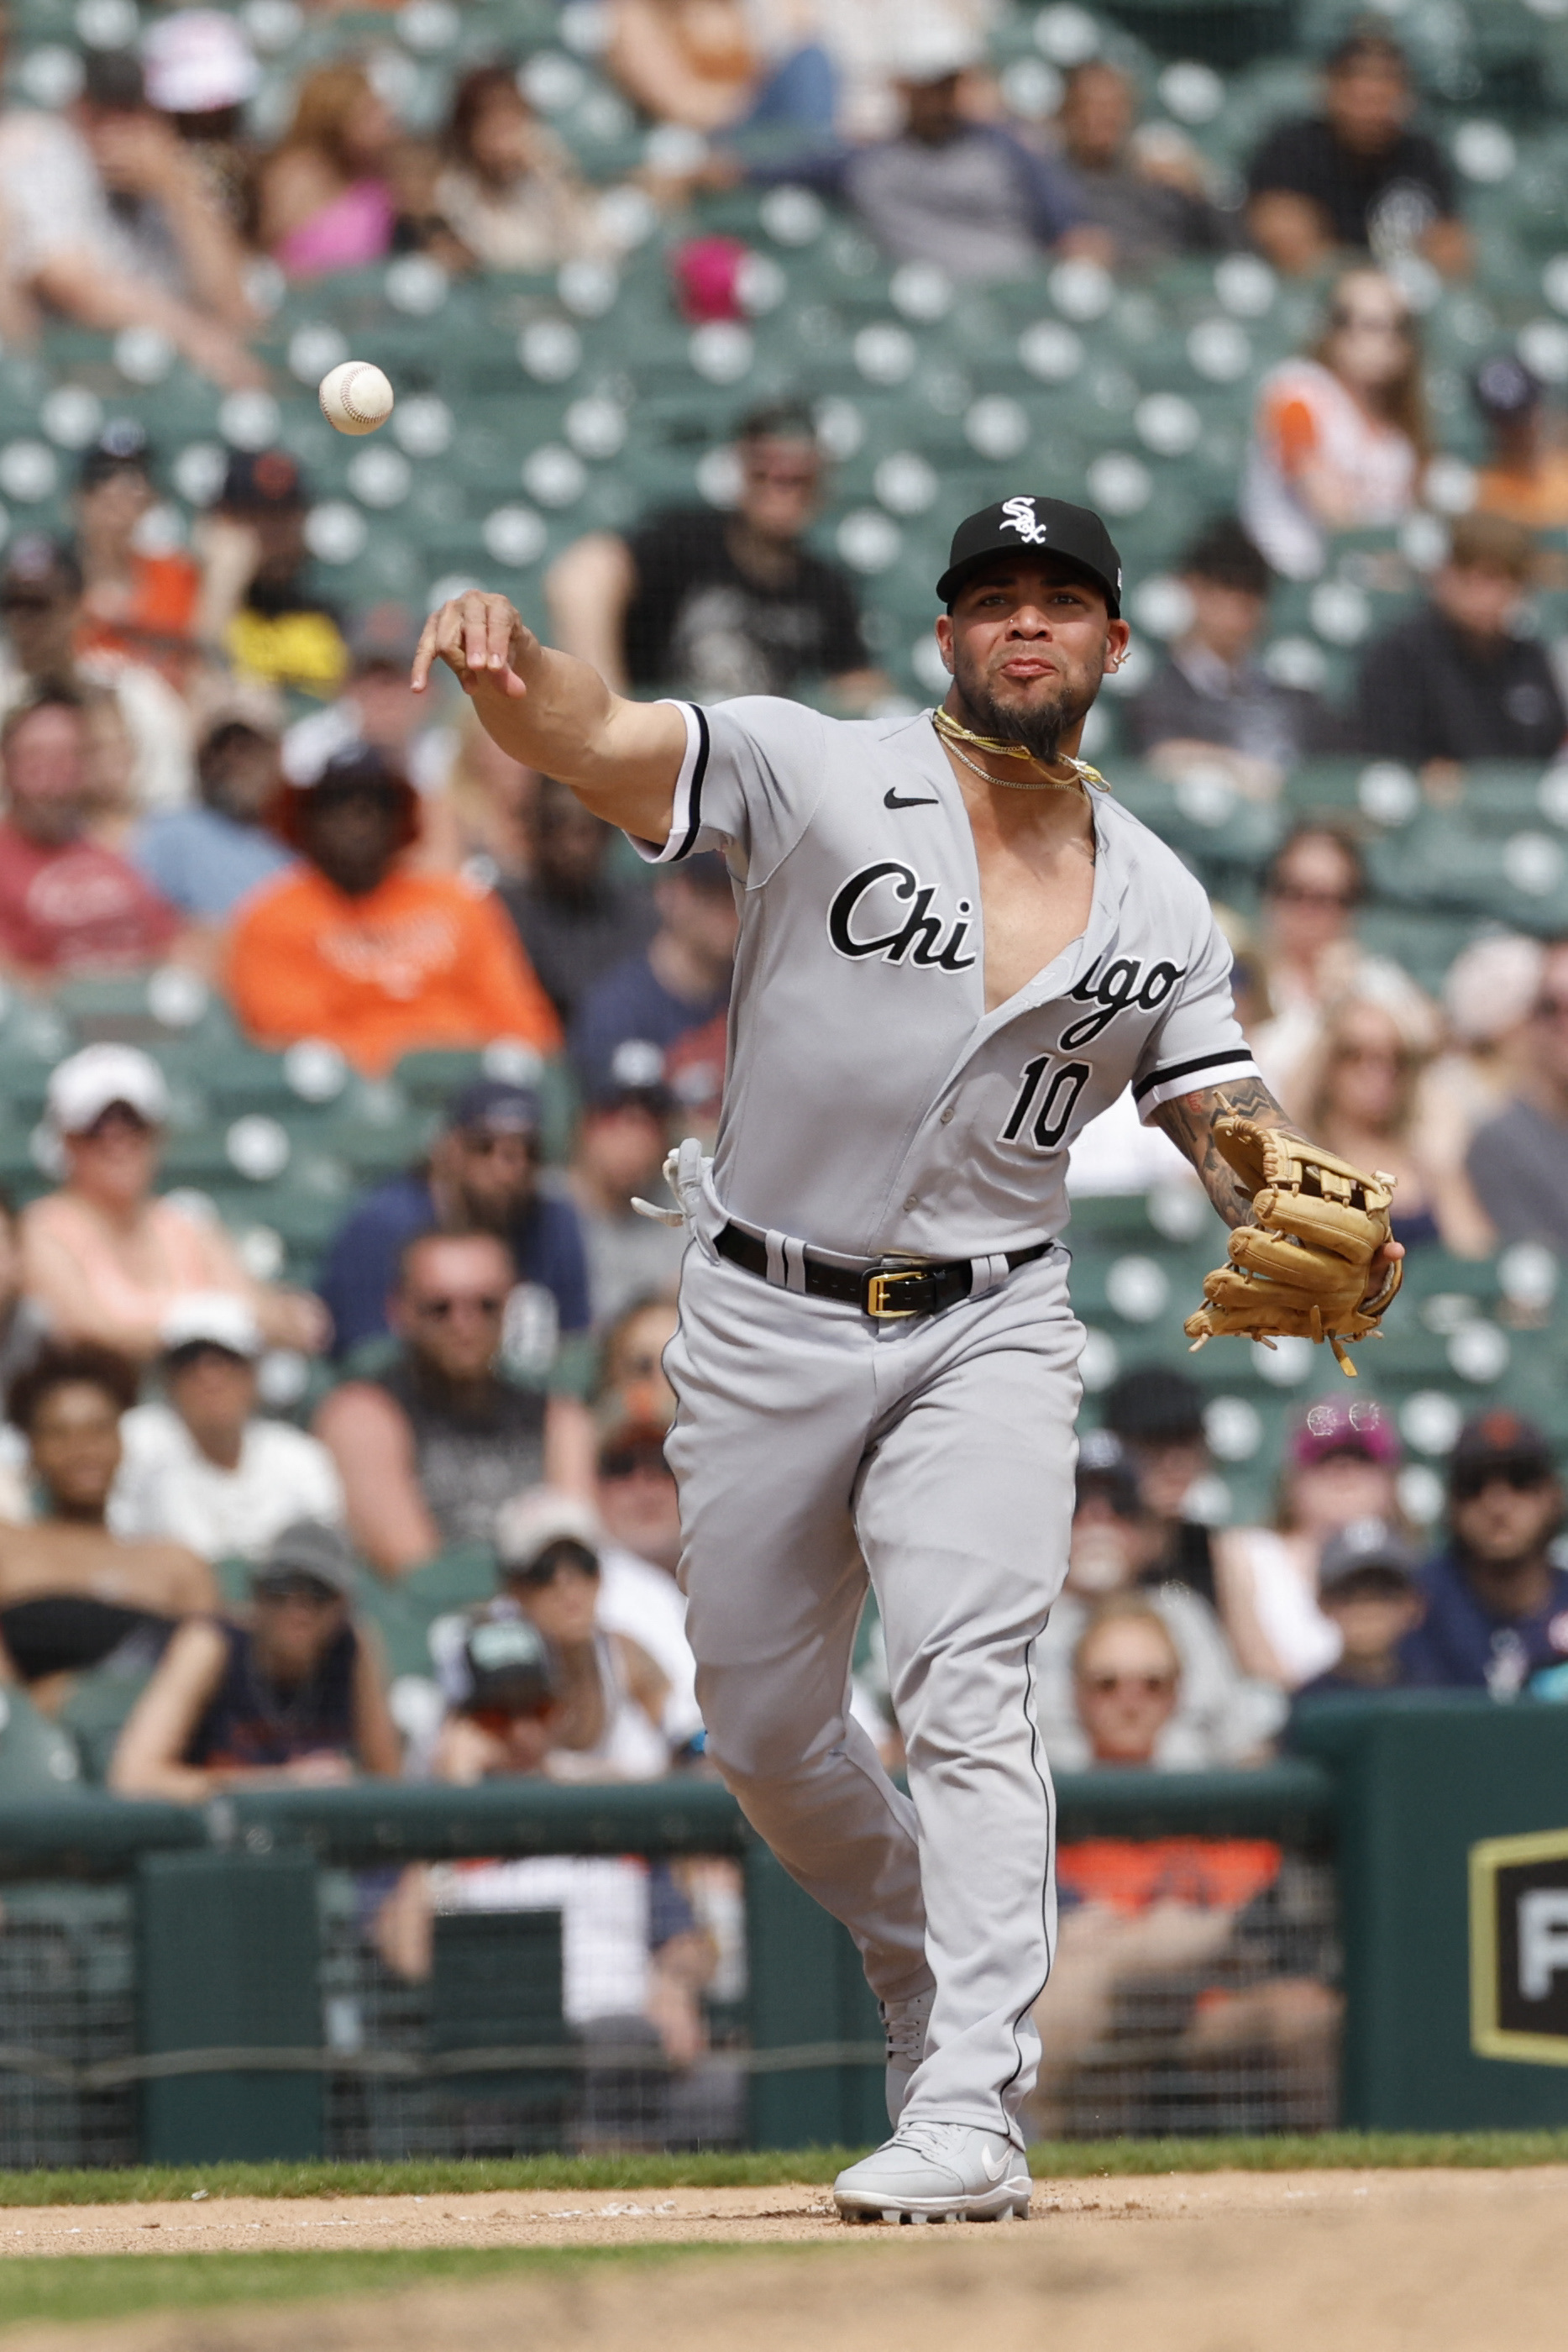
(104,1258)
(201,73)
(109,221)
(201,1465)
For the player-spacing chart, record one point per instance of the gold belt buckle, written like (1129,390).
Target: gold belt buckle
(877,1286)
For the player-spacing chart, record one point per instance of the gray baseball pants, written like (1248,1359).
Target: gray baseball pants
(817,1450)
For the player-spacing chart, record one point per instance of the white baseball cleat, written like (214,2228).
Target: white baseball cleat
(904,2023)
(936,2172)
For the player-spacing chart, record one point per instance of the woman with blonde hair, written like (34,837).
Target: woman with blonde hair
(1361,1091)
(333,193)
(1340,437)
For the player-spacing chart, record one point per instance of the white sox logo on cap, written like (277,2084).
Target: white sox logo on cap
(1018,515)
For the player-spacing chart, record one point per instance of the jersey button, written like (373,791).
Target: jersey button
(913,1201)
(948,1115)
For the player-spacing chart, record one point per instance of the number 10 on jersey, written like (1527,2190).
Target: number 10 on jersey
(1047,1097)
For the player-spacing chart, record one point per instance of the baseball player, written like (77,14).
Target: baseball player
(955,948)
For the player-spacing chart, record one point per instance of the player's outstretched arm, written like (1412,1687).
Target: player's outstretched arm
(622,758)
(1190,1122)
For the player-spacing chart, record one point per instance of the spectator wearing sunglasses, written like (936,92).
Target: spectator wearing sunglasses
(104,1258)
(1163,1927)
(1217,1713)
(1518,1161)
(722,603)
(431,1447)
(352,946)
(482,1175)
(293,1695)
(1497,1602)
(1309,955)
(1340,435)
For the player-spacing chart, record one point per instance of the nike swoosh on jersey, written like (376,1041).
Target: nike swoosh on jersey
(891,799)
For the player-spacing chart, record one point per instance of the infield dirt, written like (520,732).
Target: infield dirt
(1363,2261)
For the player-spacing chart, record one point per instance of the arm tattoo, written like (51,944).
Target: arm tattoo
(1189,1119)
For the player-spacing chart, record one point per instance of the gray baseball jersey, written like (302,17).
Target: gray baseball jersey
(873,1105)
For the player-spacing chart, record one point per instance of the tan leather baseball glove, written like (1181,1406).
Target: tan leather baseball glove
(1304,1269)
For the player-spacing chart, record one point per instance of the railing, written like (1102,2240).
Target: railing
(221,1993)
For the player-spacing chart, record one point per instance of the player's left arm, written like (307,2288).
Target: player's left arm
(1189,1121)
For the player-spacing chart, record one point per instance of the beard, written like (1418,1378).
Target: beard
(1037,728)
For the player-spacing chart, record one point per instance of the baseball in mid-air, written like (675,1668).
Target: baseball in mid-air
(356,397)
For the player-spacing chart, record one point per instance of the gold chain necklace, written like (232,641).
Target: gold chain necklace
(954,736)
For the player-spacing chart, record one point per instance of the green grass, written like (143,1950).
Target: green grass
(1050,2159)
(115,2286)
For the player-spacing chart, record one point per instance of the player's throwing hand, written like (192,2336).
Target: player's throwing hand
(483,642)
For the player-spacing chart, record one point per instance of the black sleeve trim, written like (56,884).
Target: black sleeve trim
(695,793)
(1184,1069)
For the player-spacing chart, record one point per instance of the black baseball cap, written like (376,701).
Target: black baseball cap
(1504,387)
(494,1106)
(1364,1547)
(1076,534)
(506,1667)
(122,447)
(1105,1467)
(1153,1406)
(261,480)
(37,568)
(1500,1441)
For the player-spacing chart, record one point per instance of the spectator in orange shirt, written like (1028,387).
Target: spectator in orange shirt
(352,947)
(141,606)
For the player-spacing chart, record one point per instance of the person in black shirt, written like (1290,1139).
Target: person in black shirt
(1210,693)
(574,919)
(721,604)
(1144,187)
(293,1692)
(1356,176)
(1158,1417)
(1451,682)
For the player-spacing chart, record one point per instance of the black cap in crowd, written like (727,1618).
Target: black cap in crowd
(113,79)
(122,447)
(1365,1547)
(1500,1440)
(1505,388)
(1050,526)
(1105,1467)
(494,1106)
(635,1078)
(1152,1406)
(1222,552)
(506,1667)
(261,481)
(38,567)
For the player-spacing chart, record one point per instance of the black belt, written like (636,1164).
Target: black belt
(888,1293)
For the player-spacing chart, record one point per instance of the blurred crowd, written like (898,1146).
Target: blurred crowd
(210,764)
